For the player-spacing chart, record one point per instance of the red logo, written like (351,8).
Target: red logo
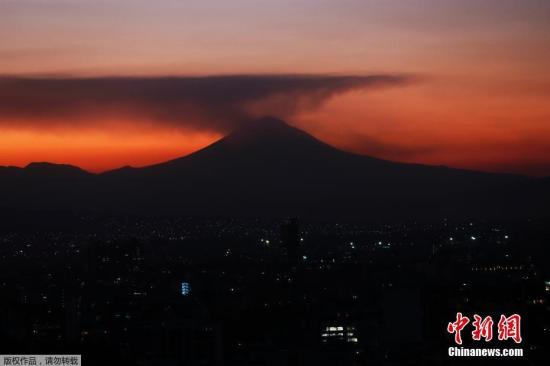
(457,327)
(484,328)
(508,328)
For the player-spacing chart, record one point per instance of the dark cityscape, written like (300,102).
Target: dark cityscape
(181,291)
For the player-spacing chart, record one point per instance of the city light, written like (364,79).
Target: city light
(185,288)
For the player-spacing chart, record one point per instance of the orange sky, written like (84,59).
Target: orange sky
(480,101)
(97,150)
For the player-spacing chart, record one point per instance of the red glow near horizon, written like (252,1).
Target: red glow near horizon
(97,151)
(366,123)
(482,102)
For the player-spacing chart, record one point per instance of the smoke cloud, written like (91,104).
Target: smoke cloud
(212,102)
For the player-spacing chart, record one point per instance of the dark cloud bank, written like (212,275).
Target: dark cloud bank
(210,102)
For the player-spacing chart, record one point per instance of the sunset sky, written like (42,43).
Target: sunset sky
(106,83)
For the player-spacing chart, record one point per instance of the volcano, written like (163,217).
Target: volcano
(269,168)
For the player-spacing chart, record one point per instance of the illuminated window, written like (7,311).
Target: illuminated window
(339,334)
(185,288)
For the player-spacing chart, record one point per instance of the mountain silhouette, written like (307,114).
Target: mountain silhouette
(266,167)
